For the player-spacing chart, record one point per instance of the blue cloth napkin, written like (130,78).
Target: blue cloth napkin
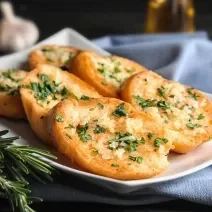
(181,57)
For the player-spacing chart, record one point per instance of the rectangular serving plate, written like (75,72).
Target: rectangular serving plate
(180,165)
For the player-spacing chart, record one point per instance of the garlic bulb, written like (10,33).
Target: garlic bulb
(15,33)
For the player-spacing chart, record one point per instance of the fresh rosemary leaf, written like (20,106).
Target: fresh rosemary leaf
(17,164)
(3,132)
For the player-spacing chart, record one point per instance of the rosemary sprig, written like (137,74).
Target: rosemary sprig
(17,165)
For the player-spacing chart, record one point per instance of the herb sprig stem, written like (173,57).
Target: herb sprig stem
(17,164)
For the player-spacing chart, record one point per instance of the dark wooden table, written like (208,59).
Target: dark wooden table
(94,19)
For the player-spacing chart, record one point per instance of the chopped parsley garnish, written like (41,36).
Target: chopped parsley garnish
(46,88)
(101,106)
(126,141)
(163,105)
(201,116)
(46,50)
(142,141)
(82,133)
(101,70)
(68,136)
(192,126)
(96,152)
(69,126)
(162,91)
(176,103)
(10,90)
(43,77)
(150,135)
(115,78)
(144,103)
(58,118)
(193,95)
(120,111)
(8,75)
(115,165)
(136,159)
(129,70)
(99,129)
(83,97)
(65,92)
(104,83)
(158,141)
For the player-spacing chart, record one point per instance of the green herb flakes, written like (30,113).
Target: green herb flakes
(120,111)
(193,95)
(163,105)
(144,103)
(158,141)
(115,165)
(129,70)
(200,116)
(192,126)
(126,141)
(8,75)
(70,126)
(58,118)
(85,98)
(136,159)
(65,92)
(142,141)
(82,133)
(99,129)
(162,91)
(150,135)
(101,106)
(68,136)
(95,152)
(104,83)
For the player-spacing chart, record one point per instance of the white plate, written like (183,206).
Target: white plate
(180,165)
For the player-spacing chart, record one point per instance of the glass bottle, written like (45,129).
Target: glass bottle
(170,16)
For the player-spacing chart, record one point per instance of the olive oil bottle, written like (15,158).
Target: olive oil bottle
(170,16)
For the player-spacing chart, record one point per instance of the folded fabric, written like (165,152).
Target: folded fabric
(181,57)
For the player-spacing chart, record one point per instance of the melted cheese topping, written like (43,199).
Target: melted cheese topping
(113,71)
(10,81)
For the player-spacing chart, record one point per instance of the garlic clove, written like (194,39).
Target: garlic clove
(16,33)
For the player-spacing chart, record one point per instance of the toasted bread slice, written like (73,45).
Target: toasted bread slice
(10,100)
(107,136)
(43,88)
(104,73)
(184,111)
(57,55)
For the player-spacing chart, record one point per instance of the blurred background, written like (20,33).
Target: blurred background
(99,18)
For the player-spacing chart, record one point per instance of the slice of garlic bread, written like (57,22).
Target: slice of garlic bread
(105,73)
(108,137)
(10,100)
(57,55)
(182,110)
(43,88)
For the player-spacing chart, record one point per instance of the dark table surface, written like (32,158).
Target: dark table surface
(94,19)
